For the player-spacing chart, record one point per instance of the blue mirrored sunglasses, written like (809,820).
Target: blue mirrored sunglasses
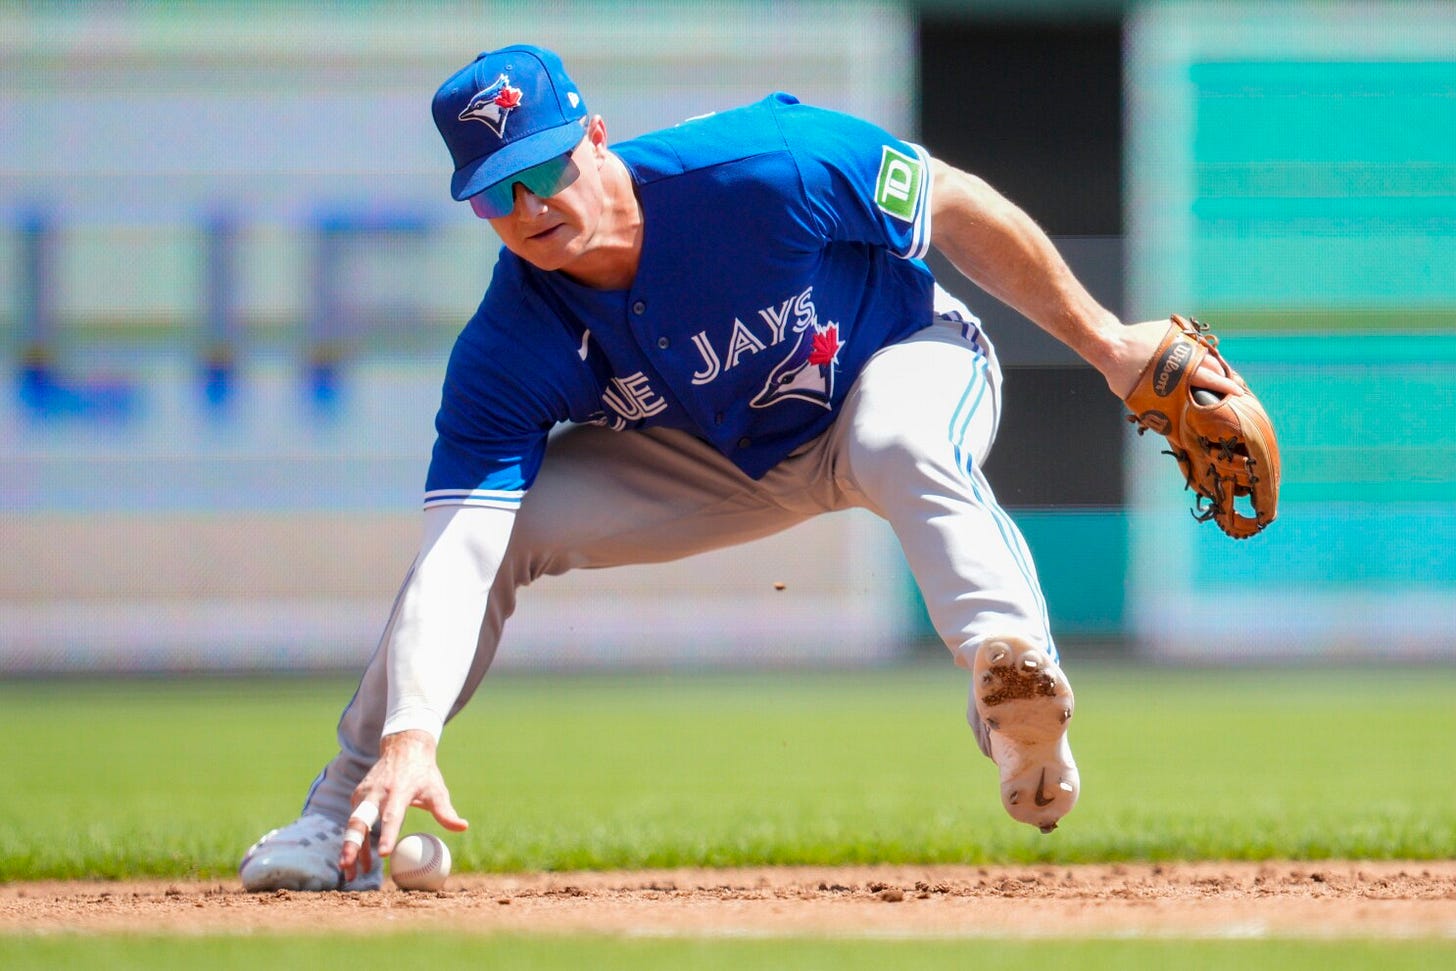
(544,180)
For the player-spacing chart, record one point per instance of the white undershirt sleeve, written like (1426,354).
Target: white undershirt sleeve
(436,623)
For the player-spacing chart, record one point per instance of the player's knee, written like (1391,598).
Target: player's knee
(884,453)
(521,564)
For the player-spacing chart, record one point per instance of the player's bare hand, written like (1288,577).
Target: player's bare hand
(406,775)
(1133,347)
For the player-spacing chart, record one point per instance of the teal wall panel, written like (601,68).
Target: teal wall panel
(1081,557)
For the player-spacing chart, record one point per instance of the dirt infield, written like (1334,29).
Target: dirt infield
(1361,899)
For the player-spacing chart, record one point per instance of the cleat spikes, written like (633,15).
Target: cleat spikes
(1023,704)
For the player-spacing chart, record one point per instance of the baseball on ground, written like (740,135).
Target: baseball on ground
(420,861)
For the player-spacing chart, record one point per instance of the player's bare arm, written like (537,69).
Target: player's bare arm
(1002,250)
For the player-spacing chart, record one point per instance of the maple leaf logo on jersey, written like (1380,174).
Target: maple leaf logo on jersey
(807,374)
(825,348)
(493,105)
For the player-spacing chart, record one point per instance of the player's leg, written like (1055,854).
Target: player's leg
(916,429)
(915,432)
(358,731)
(304,854)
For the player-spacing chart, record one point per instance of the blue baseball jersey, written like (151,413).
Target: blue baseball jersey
(783,245)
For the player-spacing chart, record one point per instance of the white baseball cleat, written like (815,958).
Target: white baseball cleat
(1024,702)
(304,855)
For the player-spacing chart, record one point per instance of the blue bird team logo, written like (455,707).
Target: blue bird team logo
(493,105)
(807,374)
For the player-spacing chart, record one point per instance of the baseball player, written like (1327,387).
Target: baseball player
(693,339)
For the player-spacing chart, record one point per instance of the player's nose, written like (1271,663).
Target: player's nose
(528,204)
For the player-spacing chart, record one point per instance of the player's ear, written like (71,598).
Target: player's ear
(596,131)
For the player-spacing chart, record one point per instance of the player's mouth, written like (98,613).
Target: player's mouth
(546,235)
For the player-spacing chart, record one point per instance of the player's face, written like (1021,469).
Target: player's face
(554,231)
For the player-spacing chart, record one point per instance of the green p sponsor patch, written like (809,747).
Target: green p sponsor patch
(897,188)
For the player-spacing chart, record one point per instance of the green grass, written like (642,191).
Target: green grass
(176,778)
(442,952)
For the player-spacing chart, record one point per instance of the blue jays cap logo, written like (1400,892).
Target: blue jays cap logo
(493,105)
(528,110)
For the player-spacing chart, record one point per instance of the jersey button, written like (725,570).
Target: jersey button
(744,442)
(718,418)
(639,307)
(662,342)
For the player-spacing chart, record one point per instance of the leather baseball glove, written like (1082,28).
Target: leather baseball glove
(1224,444)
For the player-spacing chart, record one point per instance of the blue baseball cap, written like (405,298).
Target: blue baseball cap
(506,111)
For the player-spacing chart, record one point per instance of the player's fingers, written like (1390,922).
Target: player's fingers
(435,799)
(366,858)
(1211,376)
(356,837)
(356,858)
(391,818)
(445,814)
(348,857)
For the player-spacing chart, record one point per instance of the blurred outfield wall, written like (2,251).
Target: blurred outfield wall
(231,272)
